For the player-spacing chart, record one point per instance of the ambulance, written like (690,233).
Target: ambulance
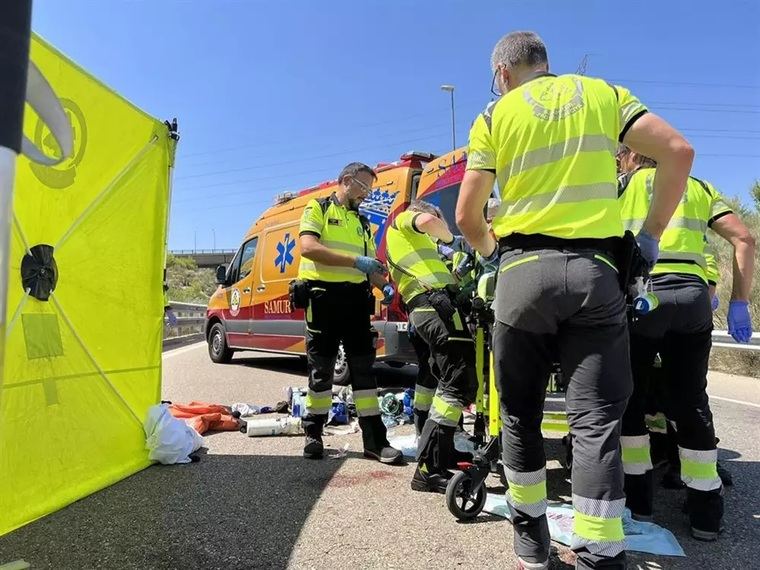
(250,309)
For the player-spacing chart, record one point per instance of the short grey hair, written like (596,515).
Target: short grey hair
(518,49)
(354,168)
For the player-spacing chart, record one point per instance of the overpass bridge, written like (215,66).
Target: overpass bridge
(206,257)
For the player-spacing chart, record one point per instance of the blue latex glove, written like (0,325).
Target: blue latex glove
(649,246)
(369,265)
(171,317)
(445,251)
(715,302)
(388,294)
(490,264)
(457,244)
(739,321)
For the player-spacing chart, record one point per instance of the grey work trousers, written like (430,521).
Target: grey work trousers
(563,304)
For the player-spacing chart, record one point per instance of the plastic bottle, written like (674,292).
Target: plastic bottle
(389,421)
(391,405)
(297,399)
(339,413)
(274,426)
(645,301)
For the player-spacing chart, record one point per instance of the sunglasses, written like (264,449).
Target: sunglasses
(364,186)
(495,91)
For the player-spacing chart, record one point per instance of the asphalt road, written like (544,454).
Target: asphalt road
(255,503)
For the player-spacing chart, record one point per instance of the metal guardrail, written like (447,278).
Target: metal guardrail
(721,339)
(191,318)
(202,251)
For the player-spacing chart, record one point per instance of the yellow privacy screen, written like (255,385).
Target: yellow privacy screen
(85,300)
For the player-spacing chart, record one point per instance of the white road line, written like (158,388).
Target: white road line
(183,350)
(742,402)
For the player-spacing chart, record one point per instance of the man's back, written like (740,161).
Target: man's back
(551,143)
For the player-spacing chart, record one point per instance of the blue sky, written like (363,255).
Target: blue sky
(275,96)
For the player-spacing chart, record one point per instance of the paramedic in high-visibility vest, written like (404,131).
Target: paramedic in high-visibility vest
(680,330)
(339,267)
(550,142)
(445,350)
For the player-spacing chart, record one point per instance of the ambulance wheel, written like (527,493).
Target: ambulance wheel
(464,503)
(340,376)
(218,349)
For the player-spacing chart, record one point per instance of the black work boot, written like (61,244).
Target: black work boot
(705,510)
(639,495)
(312,426)
(434,455)
(428,482)
(376,445)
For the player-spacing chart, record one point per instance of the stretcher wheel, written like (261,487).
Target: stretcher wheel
(464,502)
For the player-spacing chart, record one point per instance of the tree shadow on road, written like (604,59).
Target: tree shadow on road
(228,511)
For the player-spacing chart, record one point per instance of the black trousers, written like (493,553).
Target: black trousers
(340,312)
(451,353)
(680,330)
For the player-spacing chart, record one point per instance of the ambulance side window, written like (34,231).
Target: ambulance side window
(415,186)
(244,261)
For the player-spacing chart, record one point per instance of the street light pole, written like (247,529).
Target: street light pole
(450,89)
(213,232)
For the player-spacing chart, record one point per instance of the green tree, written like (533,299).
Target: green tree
(755,193)
(187,282)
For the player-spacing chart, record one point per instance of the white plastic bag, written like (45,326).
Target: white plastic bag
(168,439)
(246,410)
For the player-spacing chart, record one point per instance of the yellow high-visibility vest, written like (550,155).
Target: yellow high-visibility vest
(412,251)
(683,243)
(340,229)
